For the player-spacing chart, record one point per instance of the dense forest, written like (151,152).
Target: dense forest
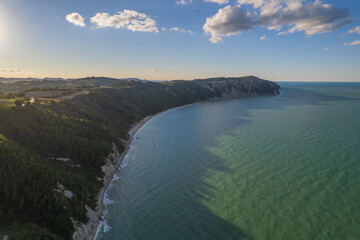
(52,149)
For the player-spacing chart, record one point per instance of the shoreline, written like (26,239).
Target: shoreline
(108,179)
(100,208)
(89,230)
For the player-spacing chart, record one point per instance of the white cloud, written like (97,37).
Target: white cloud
(255,3)
(326,49)
(11,70)
(183,2)
(268,7)
(218,1)
(312,18)
(182,30)
(76,19)
(228,21)
(129,19)
(284,16)
(155,70)
(357,42)
(355,30)
(263,37)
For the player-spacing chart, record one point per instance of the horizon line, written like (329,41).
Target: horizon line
(145,79)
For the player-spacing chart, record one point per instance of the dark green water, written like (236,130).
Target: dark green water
(284,167)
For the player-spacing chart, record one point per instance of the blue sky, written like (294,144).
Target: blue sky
(280,40)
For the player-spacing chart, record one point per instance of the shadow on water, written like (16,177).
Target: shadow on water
(164,199)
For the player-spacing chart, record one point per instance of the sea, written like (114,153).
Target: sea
(274,167)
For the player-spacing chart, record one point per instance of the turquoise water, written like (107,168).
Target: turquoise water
(283,167)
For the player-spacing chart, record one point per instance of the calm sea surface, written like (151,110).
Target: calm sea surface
(283,167)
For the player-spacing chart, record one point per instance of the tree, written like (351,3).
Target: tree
(18,103)
(11,215)
(2,214)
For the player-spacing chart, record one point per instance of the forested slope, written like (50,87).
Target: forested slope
(51,152)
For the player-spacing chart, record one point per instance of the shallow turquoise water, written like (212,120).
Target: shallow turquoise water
(284,167)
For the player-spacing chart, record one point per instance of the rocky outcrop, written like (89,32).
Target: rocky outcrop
(240,87)
(87,231)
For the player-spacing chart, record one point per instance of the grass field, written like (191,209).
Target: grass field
(8,103)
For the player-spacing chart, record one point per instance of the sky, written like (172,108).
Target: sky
(278,40)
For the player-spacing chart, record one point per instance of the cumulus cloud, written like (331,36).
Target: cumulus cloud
(129,19)
(255,3)
(76,19)
(226,22)
(182,30)
(183,2)
(357,42)
(355,30)
(218,1)
(269,7)
(284,16)
(312,18)
(263,37)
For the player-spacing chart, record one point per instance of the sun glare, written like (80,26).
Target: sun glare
(3,34)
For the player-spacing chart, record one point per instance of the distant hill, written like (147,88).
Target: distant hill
(17,85)
(101,81)
(8,80)
(90,79)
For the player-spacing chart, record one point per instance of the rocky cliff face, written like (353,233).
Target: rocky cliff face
(240,87)
(110,168)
